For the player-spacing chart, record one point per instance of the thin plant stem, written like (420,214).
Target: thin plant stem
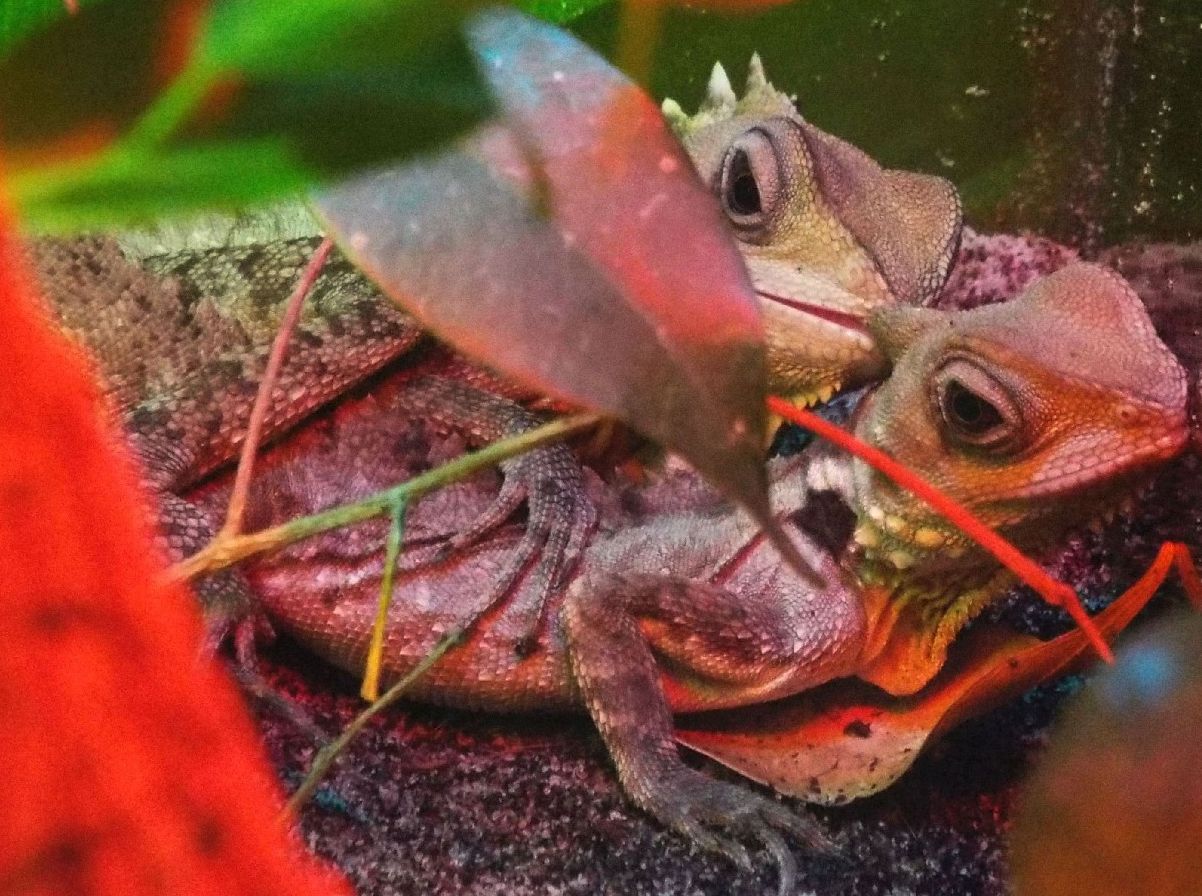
(640,23)
(330,752)
(370,689)
(218,556)
(275,361)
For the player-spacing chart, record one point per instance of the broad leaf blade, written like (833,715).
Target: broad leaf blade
(190,178)
(359,111)
(347,84)
(268,38)
(847,740)
(572,247)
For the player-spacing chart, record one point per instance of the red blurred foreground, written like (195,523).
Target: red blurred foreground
(130,767)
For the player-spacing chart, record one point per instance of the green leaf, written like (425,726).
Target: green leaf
(559,11)
(357,111)
(125,190)
(86,77)
(269,38)
(306,91)
(21,18)
(572,247)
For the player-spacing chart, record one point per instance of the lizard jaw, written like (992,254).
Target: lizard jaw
(815,347)
(845,320)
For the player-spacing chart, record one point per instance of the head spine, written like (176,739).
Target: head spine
(759,99)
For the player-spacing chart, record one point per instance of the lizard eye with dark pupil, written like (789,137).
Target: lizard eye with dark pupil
(968,411)
(743,194)
(749,183)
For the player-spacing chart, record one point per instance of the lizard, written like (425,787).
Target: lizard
(827,234)
(679,604)
(181,336)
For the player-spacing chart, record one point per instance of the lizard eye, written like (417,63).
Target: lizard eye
(742,192)
(974,408)
(749,182)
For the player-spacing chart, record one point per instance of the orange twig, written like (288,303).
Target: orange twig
(1188,572)
(1054,592)
(254,430)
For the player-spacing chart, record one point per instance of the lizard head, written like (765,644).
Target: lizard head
(1036,414)
(827,234)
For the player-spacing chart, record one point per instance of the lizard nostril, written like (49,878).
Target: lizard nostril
(1128,414)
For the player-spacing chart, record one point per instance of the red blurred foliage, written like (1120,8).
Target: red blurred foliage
(130,766)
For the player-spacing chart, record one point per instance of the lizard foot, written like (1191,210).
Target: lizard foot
(248,634)
(560,518)
(714,814)
(548,479)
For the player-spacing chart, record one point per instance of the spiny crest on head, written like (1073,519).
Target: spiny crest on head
(759,98)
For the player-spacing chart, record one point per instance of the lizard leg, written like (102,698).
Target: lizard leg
(229,608)
(225,596)
(549,480)
(611,632)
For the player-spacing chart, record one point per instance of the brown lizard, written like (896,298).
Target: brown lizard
(182,336)
(679,604)
(828,234)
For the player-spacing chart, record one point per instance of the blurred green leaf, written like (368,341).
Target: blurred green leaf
(21,18)
(361,108)
(286,93)
(559,11)
(84,79)
(264,38)
(121,189)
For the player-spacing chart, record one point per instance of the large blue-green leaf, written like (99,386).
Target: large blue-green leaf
(571,246)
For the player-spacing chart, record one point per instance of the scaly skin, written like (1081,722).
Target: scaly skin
(182,336)
(679,604)
(828,235)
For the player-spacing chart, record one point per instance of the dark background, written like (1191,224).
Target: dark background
(1078,119)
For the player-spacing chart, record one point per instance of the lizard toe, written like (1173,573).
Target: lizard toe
(249,633)
(714,813)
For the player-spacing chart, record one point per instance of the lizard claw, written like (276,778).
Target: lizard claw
(560,519)
(548,479)
(712,813)
(727,846)
(248,633)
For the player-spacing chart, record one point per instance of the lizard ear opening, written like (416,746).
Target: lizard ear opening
(909,223)
(895,328)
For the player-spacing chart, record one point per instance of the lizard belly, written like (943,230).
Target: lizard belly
(329,605)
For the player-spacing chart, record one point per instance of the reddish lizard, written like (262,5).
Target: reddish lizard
(182,336)
(678,603)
